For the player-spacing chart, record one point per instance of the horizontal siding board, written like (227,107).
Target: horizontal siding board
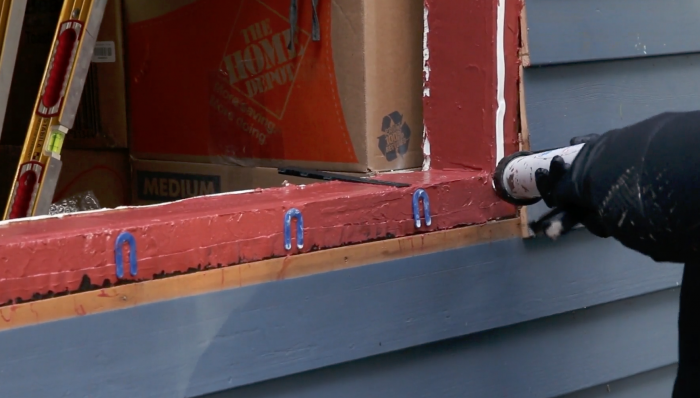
(565,31)
(570,100)
(540,359)
(653,384)
(213,342)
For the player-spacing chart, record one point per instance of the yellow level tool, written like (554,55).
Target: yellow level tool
(55,108)
(11,20)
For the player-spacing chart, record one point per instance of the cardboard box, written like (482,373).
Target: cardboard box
(101,121)
(104,172)
(216,78)
(160,181)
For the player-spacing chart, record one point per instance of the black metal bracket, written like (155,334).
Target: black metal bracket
(326,176)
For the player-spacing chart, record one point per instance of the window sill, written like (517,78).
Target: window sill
(56,254)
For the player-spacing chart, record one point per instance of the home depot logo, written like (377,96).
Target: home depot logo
(165,187)
(257,59)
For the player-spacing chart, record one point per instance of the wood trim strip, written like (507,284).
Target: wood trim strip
(524,144)
(524,41)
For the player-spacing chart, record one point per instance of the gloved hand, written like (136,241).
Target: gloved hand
(639,184)
(555,187)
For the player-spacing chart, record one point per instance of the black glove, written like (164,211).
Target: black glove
(639,184)
(553,185)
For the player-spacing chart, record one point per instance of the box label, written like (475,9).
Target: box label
(166,187)
(104,52)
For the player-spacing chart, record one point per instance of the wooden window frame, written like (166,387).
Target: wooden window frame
(471,118)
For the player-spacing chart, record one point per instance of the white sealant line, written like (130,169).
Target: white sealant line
(426,53)
(426,87)
(501,76)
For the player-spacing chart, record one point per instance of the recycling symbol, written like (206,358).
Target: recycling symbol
(396,136)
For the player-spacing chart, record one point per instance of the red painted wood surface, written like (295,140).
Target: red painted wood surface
(54,254)
(460,109)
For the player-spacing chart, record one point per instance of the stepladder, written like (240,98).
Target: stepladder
(55,108)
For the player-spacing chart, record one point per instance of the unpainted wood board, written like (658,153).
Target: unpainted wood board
(524,50)
(524,140)
(653,384)
(541,359)
(216,341)
(566,31)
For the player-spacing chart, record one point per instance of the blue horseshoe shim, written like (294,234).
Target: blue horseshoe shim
(421,194)
(288,216)
(119,255)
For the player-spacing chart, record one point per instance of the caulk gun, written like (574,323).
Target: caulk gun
(514,179)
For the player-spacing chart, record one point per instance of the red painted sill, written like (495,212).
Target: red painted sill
(42,258)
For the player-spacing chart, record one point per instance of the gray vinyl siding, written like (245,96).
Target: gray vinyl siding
(653,384)
(548,357)
(566,31)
